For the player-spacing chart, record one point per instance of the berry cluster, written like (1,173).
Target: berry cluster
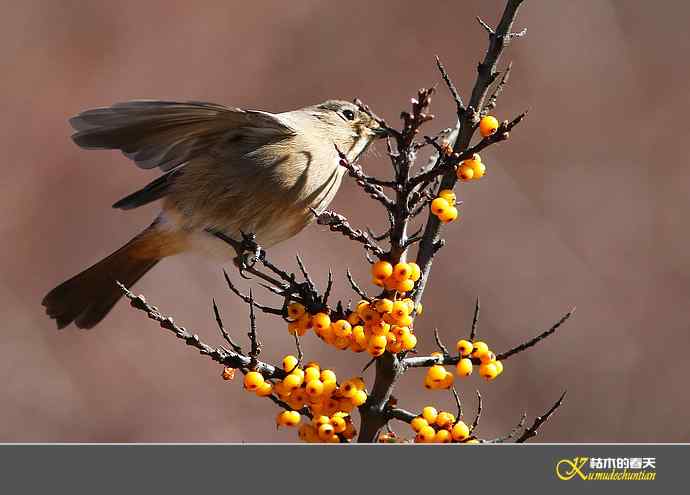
(399,278)
(489,367)
(440,427)
(337,428)
(471,169)
(443,207)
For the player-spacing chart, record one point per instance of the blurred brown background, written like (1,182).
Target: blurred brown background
(586,206)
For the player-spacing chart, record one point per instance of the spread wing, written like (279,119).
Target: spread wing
(167,134)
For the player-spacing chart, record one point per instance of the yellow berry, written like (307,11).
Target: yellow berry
(361,307)
(370,316)
(408,341)
(327,375)
(471,441)
(418,423)
(381,270)
(359,382)
(384,305)
(444,419)
(329,387)
(425,435)
(358,336)
(320,321)
(448,195)
(311,373)
(436,373)
(348,389)
(464,367)
(342,343)
(400,310)
(405,285)
(449,215)
(447,381)
(295,310)
(488,125)
(479,348)
(499,367)
(264,390)
(401,271)
(464,347)
(478,170)
(465,172)
(292,381)
(442,436)
(415,271)
(289,363)
(253,380)
(487,357)
(321,420)
(359,398)
(430,413)
(288,418)
(326,431)
(342,328)
(488,371)
(460,431)
(379,328)
(353,319)
(439,205)
(314,388)
(378,342)
(339,424)
(420,309)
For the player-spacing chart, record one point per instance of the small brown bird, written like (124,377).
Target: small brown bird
(226,170)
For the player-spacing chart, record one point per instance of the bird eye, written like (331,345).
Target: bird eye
(349,114)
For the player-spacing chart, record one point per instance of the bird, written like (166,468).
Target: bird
(225,172)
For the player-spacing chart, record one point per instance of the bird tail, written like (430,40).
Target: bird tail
(88,297)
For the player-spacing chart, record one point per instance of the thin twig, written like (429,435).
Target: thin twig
(475,320)
(223,331)
(535,340)
(479,412)
(457,400)
(532,431)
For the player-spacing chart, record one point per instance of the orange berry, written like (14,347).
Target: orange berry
(292,381)
(381,270)
(378,342)
(314,388)
(449,215)
(448,195)
(439,205)
(359,398)
(425,435)
(488,125)
(371,316)
(320,321)
(408,341)
(479,348)
(288,418)
(400,310)
(478,169)
(328,375)
(401,271)
(465,173)
(342,328)
(253,380)
(339,424)
(464,367)
(430,413)
(311,373)
(447,381)
(437,373)
(418,423)
(361,307)
(405,285)
(326,431)
(353,319)
(460,431)
(264,390)
(295,310)
(464,347)
(487,357)
(444,419)
(358,336)
(384,305)
(442,436)
(488,371)
(289,363)
(416,272)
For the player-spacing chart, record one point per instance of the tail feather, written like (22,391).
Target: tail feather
(88,297)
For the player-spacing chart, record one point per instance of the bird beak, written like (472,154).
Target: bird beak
(380,132)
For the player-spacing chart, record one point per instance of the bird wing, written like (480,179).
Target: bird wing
(166,134)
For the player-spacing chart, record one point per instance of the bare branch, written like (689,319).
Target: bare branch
(532,431)
(451,87)
(479,412)
(475,320)
(535,340)
(224,333)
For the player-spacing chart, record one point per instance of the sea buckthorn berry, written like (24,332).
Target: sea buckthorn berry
(439,205)
(353,319)
(342,343)
(488,125)
(361,307)
(401,271)
(418,423)
(253,380)
(228,373)
(448,195)
(314,388)
(289,363)
(358,336)
(404,285)
(436,373)
(472,441)
(321,420)
(292,381)
(311,373)
(370,316)
(420,309)
(359,382)
(339,424)
(465,172)
(400,309)
(488,371)
(320,321)
(444,419)
(464,347)
(264,390)
(429,384)
(342,328)
(478,170)
(447,381)
(326,431)
(376,351)
(307,433)
(449,215)
(288,418)
(487,357)
(415,271)
(378,342)
(359,398)
(390,283)
(499,367)
(430,413)
(380,328)
(464,367)
(294,328)
(442,436)
(409,303)
(479,348)
(345,405)
(425,435)
(394,347)
(327,375)
(382,270)
(384,305)
(348,389)
(460,431)
(408,341)
(295,310)
(313,364)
